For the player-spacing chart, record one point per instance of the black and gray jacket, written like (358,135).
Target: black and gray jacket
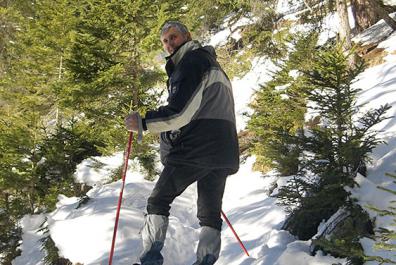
(198,124)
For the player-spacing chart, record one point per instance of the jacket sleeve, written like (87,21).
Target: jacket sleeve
(186,88)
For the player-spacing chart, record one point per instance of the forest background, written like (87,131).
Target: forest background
(70,71)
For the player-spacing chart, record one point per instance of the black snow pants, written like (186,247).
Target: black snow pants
(175,179)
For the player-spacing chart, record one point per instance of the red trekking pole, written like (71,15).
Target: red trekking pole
(235,234)
(124,171)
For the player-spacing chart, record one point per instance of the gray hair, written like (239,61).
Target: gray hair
(176,24)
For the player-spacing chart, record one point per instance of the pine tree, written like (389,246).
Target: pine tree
(32,71)
(69,73)
(269,35)
(335,149)
(16,197)
(275,142)
(11,234)
(109,69)
(61,152)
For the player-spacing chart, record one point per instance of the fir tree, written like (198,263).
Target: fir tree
(69,73)
(16,198)
(275,142)
(11,234)
(106,67)
(60,152)
(269,35)
(335,149)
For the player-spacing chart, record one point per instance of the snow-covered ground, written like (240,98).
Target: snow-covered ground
(379,87)
(84,234)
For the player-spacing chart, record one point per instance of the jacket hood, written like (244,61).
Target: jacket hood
(210,50)
(175,57)
(182,50)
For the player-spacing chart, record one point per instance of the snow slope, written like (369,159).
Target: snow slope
(84,234)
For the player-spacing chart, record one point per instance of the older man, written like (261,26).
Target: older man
(198,142)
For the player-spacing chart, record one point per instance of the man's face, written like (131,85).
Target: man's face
(173,38)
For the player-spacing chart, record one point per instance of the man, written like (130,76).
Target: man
(198,142)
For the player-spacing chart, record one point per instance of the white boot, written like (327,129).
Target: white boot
(153,236)
(209,246)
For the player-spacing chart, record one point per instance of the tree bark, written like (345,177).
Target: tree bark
(381,11)
(345,29)
(7,202)
(133,72)
(364,14)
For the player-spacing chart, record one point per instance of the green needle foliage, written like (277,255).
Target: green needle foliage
(70,71)
(279,107)
(335,149)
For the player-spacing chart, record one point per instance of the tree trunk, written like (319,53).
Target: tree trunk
(135,89)
(345,29)
(60,71)
(365,16)
(381,11)
(7,202)
(133,72)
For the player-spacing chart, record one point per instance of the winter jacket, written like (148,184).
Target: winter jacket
(198,124)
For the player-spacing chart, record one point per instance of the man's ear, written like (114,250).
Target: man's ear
(188,35)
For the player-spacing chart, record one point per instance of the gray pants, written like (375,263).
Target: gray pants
(172,182)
